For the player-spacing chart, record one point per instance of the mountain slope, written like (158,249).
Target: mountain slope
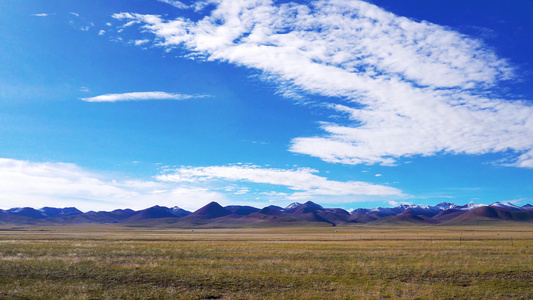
(26,212)
(449,214)
(51,212)
(272,210)
(11,219)
(154,212)
(241,210)
(492,213)
(210,211)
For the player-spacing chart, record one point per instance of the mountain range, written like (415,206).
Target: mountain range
(296,214)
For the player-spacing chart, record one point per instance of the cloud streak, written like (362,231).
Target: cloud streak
(303,181)
(175,3)
(407,88)
(140,96)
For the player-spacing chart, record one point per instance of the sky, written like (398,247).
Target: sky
(347,103)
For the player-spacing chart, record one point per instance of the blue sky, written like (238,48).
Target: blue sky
(345,103)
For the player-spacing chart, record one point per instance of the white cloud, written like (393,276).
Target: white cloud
(141,42)
(74,14)
(101,32)
(409,88)
(40,15)
(303,181)
(395,203)
(84,89)
(524,161)
(175,3)
(35,184)
(140,96)
(197,5)
(242,191)
(24,183)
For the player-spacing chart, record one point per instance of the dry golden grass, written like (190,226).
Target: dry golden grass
(99,262)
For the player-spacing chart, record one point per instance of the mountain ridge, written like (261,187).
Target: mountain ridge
(296,213)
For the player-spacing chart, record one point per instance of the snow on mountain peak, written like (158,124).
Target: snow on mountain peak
(445,206)
(506,205)
(293,205)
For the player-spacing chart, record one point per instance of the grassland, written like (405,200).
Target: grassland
(97,262)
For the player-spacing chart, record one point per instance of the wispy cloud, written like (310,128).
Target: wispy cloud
(525,160)
(303,181)
(80,23)
(175,3)
(140,42)
(409,88)
(40,15)
(396,203)
(197,5)
(140,96)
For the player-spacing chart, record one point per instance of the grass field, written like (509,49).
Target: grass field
(98,262)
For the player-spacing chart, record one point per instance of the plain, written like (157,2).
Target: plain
(364,262)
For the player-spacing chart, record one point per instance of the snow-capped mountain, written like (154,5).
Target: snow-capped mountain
(360,210)
(426,210)
(26,212)
(45,212)
(445,206)
(470,206)
(51,212)
(179,212)
(293,206)
(506,205)
(390,211)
